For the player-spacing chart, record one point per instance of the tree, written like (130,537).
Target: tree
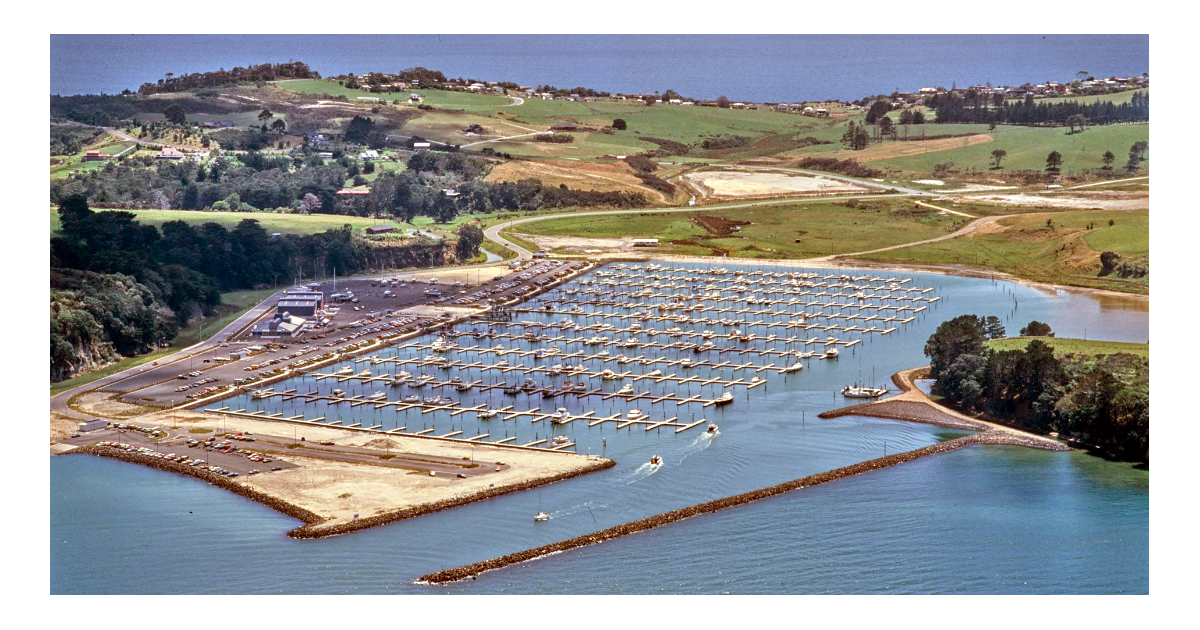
(993,328)
(1076,120)
(310,203)
(877,110)
(1037,329)
(174,113)
(619,124)
(1053,162)
(962,335)
(1139,150)
(886,128)
(469,239)
(265,114)
(278,126)
(997,156)
(918,117)
(1108,262)
(722,101)
(1108,158)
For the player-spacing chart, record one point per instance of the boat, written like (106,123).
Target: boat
(657,460)
(687,363)
(541,516)
(463,387)
(530,385)
(854,391)
(364,374)
(487,414)
(377,396)
(375,360)
(345,370)
(338,392)
(724,399)
(559,440)
(560,416)
(412,398)
(262,393)
(635,414)
(711,430)
(795,367)
(654,373)
(627,389)
(622,360)
(609,375)
(831,353)
(512,390)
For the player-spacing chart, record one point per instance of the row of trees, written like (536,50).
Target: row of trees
(253,74)
(1102,401)
(982,108)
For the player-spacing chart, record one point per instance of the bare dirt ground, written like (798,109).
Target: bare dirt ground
(581,245)
(1104,200)
(339,490)
(107,405)
(732,185)
(599,176)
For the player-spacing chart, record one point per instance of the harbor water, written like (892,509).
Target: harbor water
(985,519)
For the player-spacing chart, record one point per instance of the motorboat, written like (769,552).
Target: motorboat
(557,368)
(412,398)
(635,414)
(338,392)
(711,430)
(364,374)
(530,385)
(541,516)
(375,360)
(512,390)
(424,379)
(622,359)
(687,363)
(463,387)
(377,396)
(854,391)
(344,371)
(559,440)
(654,373)
(831,353)
(262,393)
(456,380)
(487,414)
(795,367)
(707,345)
(724,399)
(657,460)
(560,416)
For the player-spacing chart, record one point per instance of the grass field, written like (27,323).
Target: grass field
(478,103)
(1073,346)
(1118,98)
(271,222)
(1068,253)
(1027,148)
(822,228)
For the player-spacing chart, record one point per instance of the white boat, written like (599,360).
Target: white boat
(712,428)
(560,416)
(412,398)
(377,396)
(262,393)
(831,353)
(687,363)
(463,387)
(487,414)
(724,399)
(338,392)
(795,367)
(654,373)
(657,460)
(364,374)
(853,391)
(375,360)
(345,370)
(559,440)
(626,389)
(635,414)
(541,516)
(609,375)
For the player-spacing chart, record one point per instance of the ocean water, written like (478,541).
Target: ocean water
(760,68)
(979,520)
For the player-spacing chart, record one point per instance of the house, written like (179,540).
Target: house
(738,106)
(675,101)
(821,112)
(687,103)
(421,145)
(169,153)
(369,99)
(475,87)
(415,98)
(92,425)
(645,242)
(450,192)
(347,192)
(380,229)
(325,154)
(368,155)
(281,325)
(928,90)
(92,156)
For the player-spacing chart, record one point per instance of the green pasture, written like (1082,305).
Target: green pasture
(1073,346)
(477,103)
(270,221)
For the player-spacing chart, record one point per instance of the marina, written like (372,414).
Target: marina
(624,347)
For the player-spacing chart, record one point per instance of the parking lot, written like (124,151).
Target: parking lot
(363,311)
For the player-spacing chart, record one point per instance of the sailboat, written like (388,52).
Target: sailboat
(859,391)
(540,516)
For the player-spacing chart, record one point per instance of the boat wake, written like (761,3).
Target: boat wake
(641,472)
(702,442)
(578,509)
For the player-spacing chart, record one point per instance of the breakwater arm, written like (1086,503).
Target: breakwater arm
(666,518)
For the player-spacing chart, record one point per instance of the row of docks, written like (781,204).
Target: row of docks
(685,278)
(691,296)
(793,323)
(531,387)
(717,274)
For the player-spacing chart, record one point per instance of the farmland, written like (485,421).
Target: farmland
(1073,346)
(1068,252)
(796,230)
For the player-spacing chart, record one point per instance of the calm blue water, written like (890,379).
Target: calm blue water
(983,520)
(756,68)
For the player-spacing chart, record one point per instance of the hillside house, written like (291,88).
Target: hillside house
(93,156)
(368,155)
(169,153)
